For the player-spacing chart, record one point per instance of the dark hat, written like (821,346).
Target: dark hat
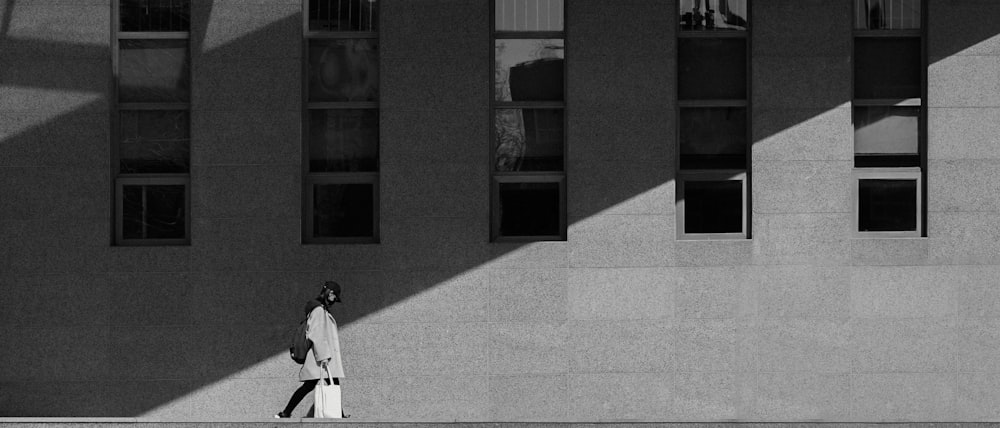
(334,287)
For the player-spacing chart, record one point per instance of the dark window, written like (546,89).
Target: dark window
(154,212)
(528,144)
(713,119)
(713,138)
(889,118)
(343,70)
(155,15)
(713,206)
(341,122)
(343,140)
(151,122)
(154,141)
(712,69)
(343,210)
(529,209)
(887,67)
(153,71)
(887,205)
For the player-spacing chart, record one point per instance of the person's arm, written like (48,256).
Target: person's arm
(318,334)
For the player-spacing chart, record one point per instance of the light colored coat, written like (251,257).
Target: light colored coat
(322,331)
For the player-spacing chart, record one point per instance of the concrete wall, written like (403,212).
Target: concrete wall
(621,321)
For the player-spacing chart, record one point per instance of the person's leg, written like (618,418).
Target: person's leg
(298,395)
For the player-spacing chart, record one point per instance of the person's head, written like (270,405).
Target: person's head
(330,293)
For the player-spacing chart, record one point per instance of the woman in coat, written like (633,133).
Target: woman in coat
(325,351)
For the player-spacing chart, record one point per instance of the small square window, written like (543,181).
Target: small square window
(888,202)
(530,210)
(154,141)
(887,68)
(154,71)
(529,69)
(153,210)
(343,70)
(712,205)
(343,140)
(528,140)
(713,138)
(343,210)
(712,69)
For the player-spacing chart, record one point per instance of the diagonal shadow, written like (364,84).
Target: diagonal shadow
(214,356)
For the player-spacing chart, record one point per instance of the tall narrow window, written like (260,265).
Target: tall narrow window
(528,141)
(889,118)
(341,122)
(151,122)
(713,119)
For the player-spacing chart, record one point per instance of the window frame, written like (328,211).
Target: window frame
(900,173)
(311,179)
(711,175)
(116,108)
(498,177)
(889,172)
(745,174)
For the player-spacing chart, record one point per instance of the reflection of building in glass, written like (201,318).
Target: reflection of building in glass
(713,14)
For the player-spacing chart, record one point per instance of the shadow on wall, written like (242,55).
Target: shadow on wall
(433,266)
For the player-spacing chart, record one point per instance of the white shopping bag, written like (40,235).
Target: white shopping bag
(327,398)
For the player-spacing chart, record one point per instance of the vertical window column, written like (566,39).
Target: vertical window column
(889,118)
(151,122)
(341,122)
(527,147)
(713,94)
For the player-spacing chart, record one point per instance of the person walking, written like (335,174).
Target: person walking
(325,351)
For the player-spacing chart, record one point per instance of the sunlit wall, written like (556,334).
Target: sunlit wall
(620,321)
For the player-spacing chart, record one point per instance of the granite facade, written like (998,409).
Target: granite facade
(622,321)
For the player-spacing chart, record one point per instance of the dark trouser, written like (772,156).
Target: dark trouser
(297,396)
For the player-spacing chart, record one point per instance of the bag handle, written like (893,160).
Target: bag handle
(329,377)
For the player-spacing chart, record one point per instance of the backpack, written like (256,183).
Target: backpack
(300,343)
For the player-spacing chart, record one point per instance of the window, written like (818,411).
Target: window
(528,138)
(151,122)
(889,118)
(341,122)
(713,177)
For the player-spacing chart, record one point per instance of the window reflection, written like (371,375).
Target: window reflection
(153,212)
(708,15)
(343,15)
(886,14)
(154,141)
(343,70)
(343,140)
(528,15)
(529,69)
(886,130)
(153,71)
(528,139)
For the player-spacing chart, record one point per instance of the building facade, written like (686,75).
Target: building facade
(773,210)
